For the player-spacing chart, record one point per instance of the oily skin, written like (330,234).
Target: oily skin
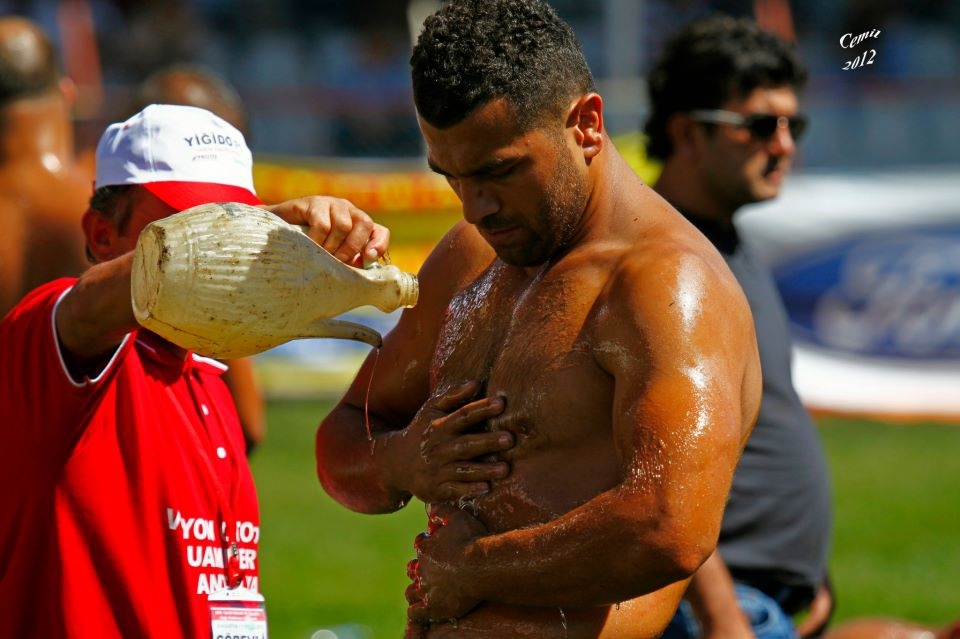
(579,376)
(42,188)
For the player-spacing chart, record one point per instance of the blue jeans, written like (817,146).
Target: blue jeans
(768,620)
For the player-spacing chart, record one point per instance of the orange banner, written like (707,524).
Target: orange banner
(372,191)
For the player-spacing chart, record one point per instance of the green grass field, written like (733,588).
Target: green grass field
(896,550)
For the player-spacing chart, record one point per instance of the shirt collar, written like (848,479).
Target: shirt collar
(167,355)
(723,236)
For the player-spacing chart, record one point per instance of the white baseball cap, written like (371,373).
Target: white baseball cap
(184,155)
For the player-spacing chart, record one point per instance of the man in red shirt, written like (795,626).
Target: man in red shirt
(127,496)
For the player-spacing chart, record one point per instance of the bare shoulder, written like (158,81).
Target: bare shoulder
(673,290)
(458,259)
(677,327)
(62,197)
(55,204)
(404,368)
(50,202)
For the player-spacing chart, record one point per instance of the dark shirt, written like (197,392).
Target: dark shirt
(776,527)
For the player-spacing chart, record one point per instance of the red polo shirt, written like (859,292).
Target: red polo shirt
(113,490)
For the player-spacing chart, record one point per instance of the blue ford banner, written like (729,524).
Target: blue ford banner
(869,269)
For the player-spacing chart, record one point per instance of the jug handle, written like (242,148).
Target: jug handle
(342,329)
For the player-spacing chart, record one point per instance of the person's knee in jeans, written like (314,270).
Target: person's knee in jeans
(767,619)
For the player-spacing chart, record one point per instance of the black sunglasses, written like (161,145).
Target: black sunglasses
(762,126)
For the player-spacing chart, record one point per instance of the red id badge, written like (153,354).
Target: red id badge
(237,613)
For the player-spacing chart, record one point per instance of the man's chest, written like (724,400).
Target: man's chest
(531,342)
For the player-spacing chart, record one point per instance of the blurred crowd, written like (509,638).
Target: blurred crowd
(329,78)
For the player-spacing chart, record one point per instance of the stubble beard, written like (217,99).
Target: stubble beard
(559,215)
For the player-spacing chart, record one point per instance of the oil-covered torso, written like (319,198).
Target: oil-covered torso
(532,341)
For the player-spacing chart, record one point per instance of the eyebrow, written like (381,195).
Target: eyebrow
(484,169)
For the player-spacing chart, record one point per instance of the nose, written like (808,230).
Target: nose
(478,201)
(782,142)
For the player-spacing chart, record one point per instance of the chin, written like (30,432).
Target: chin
(524,256)
(765,192)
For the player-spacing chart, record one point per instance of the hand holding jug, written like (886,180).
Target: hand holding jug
(230,280)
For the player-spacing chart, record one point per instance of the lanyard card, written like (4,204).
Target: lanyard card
(237,613)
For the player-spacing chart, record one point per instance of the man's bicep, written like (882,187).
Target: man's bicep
(393,381)
(678,425)
(678,401)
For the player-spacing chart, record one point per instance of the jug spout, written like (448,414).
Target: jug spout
(342,329)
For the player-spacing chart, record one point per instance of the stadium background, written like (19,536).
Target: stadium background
(327,78)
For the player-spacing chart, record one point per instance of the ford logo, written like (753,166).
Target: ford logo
(891,293)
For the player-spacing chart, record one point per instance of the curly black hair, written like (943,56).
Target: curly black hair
(712,61)
(473,51)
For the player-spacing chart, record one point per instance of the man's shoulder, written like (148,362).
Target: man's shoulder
(671,280)
(45,178)
(59,196)
(670,253)
(458,259)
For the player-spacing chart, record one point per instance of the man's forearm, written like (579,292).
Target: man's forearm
(97,312)
(375,464)
(600,553)
(353,463)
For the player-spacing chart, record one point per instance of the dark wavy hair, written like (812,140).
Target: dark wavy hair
(473,51)
(709,62)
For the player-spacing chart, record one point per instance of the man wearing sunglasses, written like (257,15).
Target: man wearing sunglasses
(724,121)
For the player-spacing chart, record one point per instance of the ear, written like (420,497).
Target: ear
(100,234)
(585,117)
(682,133)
